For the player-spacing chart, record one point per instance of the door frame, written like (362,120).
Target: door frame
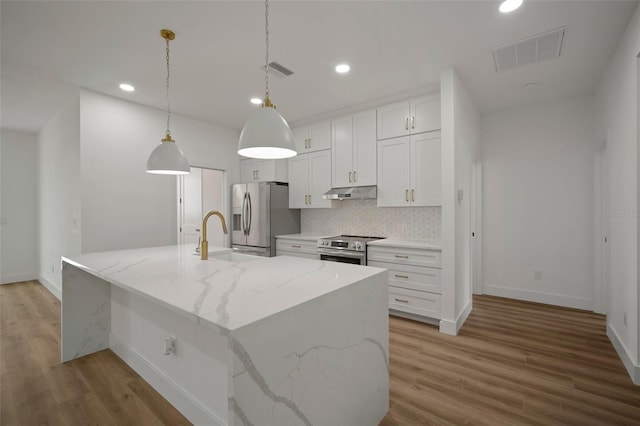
(476,229)
(602,226)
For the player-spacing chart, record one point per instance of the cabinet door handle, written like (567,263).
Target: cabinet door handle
(413,195)
(305,199)
(406,195)
(406,123)
(305,144)
(309,198)
(413,121)
(401,300)
(349,176)
(257,174)
(309,143)
(295,246)
(355,177)
(402,256)
(402,276)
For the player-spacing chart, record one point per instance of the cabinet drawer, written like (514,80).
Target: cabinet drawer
(412,277)
(414,302)
(296,246)
(296,254)
(405,256)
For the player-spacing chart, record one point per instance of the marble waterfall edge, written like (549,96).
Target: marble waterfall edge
(330,369)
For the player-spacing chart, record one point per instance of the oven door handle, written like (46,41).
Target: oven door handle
(341,253)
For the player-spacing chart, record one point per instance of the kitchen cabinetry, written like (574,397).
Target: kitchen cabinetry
(297,247)
(353,150)
(253,170)
(409,171)
(316,137)
(414,278)
(309,179)
(410,117)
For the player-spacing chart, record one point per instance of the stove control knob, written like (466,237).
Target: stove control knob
(358,245)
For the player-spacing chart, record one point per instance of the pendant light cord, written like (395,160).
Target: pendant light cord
(168,100)
(266,56)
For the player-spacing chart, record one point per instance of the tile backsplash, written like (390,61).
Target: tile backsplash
(363,217)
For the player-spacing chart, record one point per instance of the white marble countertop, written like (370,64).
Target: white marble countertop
(228,290)
(303,236)
(418,244)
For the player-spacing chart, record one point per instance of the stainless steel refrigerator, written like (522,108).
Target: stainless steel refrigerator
(259,212)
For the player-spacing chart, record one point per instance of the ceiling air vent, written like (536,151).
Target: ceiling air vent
(530,50)
(279,69)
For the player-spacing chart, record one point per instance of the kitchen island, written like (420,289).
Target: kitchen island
(236,339)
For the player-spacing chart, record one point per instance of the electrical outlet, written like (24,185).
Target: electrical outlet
(537,275)
(170,345)
(624,317)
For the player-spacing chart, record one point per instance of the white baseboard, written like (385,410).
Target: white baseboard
(414,317)
(171,391)
(17,278)
(51,287)
(623,353)
(539,297)
(453,327)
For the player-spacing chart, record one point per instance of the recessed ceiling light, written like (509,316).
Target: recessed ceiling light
(256,101)
(127,87)
(342,68)
(510,5)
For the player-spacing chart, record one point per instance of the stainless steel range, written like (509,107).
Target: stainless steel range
(345,249)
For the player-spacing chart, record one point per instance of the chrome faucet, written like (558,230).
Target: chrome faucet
(204,250)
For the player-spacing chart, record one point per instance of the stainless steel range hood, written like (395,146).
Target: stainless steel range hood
(354,193)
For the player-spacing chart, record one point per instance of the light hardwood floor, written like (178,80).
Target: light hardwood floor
(512,363)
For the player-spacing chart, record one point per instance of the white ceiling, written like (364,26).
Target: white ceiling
(395,48)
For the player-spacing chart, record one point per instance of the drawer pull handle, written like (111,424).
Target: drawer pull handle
(401,256)
(401,300)
(295,246)
(402,276)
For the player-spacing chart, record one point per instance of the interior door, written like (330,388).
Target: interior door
(258,214)
(213,199)
(191,207)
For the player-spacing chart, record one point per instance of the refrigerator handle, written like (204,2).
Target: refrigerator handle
(244,215)
(250,214)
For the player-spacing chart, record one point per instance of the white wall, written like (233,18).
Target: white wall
(617,118)
(538,203)
(18,206)
(122,205)
(460,149)
(59,193)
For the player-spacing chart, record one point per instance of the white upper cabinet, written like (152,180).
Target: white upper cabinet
(309,179)
(254,170)
(353,143)
(409,171)
(410,117)
(315,137)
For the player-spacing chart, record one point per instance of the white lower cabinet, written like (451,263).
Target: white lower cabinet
(413,278)
(297,247)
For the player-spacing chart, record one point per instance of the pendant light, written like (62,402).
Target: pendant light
(168,158)
(266,134)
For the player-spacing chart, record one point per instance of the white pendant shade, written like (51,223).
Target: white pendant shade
(168,159)
(266,135)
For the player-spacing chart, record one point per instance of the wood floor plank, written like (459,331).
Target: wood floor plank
(36,389)
(513,363)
